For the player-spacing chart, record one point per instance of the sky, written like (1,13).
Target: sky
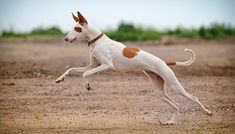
(24,15)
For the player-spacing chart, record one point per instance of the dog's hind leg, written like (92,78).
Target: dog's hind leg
(175,84)
(165,93)
(158,83)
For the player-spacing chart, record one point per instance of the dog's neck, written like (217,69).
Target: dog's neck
(92,32)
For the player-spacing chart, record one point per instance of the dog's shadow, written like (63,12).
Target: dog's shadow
(155,121)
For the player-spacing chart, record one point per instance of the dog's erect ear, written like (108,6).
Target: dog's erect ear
(75,18)
(82,20)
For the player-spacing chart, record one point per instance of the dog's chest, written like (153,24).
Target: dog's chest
(121,57)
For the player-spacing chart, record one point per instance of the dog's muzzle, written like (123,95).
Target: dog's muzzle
(71,41)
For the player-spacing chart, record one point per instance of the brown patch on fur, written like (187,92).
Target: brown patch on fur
(78,29)
(170,63)
(130,52)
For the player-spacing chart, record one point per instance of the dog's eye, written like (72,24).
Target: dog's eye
(78,29)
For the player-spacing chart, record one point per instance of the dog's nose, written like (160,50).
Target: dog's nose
(66,39)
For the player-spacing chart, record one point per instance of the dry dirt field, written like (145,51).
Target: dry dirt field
(31,101)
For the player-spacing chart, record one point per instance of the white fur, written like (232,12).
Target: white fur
(107,54)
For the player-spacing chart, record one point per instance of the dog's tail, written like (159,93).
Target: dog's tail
(186,63)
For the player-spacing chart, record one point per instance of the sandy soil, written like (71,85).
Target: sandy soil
(31,101)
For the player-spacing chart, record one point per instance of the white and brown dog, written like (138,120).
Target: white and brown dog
(109,54)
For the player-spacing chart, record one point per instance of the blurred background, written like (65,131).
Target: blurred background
(121,20)
(33,54)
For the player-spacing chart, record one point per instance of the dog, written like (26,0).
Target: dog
(106,53)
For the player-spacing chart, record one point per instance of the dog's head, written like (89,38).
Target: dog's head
(79,29)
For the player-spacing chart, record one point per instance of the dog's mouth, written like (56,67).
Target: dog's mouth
(71,41)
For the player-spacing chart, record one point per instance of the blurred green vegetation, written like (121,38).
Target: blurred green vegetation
(131,32)
(39,31)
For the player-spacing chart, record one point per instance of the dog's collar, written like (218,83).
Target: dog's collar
(95,39)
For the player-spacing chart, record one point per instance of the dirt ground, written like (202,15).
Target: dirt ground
(31,101)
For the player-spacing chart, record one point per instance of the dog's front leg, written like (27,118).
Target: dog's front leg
(75,69)
(93,63)
(102,67)
(105,60)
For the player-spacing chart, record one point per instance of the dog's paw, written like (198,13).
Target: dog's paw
(58,80)
(88,87)
(209,113)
